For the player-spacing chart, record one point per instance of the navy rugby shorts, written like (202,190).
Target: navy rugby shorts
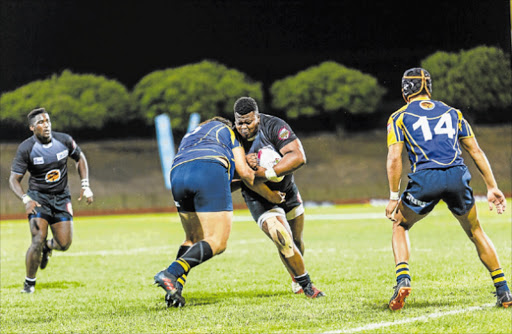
(428,186)
(258,205)
(201,186)
(54,207)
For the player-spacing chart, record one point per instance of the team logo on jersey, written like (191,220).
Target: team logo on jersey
(427,105)
(284,133)
(62,155)
(38,160)
(52,176)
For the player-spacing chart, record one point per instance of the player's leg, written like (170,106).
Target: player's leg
(461,202)
(420,197)
(487,253)
(38,231)
(278,230)
(297,228)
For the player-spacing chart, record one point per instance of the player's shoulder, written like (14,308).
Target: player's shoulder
(27,144)
(61,136)
(398,112)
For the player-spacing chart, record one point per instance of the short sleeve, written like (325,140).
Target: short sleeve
(395,132)
(465,130)
(280,133)
(20,161)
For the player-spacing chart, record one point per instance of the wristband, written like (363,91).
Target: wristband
(85,183)
(394,195)
(25,198)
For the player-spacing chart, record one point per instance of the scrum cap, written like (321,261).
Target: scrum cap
(416,81)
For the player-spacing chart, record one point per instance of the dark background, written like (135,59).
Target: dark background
(267,40)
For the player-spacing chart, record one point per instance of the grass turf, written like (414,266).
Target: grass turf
(103,284)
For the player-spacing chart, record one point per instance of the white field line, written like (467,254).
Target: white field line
(424,318)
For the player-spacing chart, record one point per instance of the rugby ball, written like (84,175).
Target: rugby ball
(268,158)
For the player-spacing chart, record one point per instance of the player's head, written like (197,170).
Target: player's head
(39,123)
(247,117)
(219,119)
(416,81)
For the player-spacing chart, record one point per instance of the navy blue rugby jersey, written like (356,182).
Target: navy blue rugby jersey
(46,163)
(431,131)
(212,140)
(275,133)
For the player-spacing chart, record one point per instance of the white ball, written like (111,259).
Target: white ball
(268,158)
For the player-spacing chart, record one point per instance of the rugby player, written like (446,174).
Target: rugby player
(201,177)
(432,133)
(47,201)
(282,222)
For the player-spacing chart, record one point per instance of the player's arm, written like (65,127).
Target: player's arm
(293,158)
(273,196)
(243,170)
(83,171)
(394,172)
(494,195)
(17,189)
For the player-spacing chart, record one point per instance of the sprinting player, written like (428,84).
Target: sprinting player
(283,223)
(432,133)
(201,177)
(47,201)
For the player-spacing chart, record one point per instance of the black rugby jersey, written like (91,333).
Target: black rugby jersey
(276,133)
(46,163)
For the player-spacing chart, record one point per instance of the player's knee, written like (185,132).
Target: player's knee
(281,237)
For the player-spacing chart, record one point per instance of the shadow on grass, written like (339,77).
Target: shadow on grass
(60,285)
(204,299)
(410,305)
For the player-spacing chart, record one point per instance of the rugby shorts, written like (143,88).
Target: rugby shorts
(262,209)
(54,207)
(201,186)
(428,186)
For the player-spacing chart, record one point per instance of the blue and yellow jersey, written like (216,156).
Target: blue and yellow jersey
(212,140)
(431,131)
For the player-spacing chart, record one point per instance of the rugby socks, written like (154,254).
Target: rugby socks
(402,271)
(183,278)
(303,280)
(498,278)
(195,255)
(30,281)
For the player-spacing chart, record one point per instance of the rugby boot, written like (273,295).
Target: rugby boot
(47,252)
(169,283)
(402,290)
(312,292)
(28,288)
(504,299)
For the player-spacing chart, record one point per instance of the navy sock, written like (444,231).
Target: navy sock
(303,280)
(195,255)
(402,271)
(498,278)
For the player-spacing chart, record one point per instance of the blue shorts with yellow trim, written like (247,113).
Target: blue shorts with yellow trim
(428,186)
(201,186)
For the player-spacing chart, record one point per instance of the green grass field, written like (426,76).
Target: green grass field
(103,284)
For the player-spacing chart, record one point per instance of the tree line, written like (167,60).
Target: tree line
(477,81)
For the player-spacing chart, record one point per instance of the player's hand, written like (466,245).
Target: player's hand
(391,209)
(496,198)
(87,192)
(252,160)
(30,207)
(277,197)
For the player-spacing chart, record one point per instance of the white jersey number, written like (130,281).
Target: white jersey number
(443,127)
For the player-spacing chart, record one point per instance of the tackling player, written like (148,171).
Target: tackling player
(201,177)
(282,222)
(47,201)
(432,133)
